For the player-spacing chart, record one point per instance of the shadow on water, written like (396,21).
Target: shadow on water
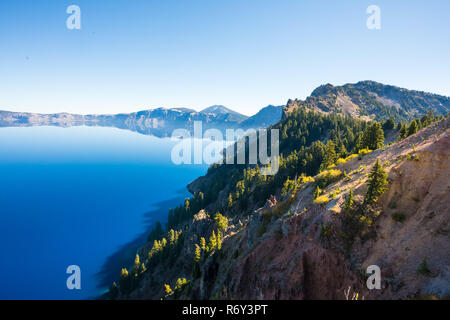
(124,256)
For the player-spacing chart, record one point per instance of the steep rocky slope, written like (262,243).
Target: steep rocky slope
(294,259)
(307,250)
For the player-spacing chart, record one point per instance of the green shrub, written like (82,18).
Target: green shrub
(363,152)
(392,205)
(399,217)
(423,268)
(327,177)
(282,207)
(321,200)
(325,231)
(342,160)
(335,193)
(350,157)
(278,235)
(306,179)
(262,230)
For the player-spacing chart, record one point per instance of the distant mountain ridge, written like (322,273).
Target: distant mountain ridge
(158,122)
(264,118)
(366,100)
(370,100)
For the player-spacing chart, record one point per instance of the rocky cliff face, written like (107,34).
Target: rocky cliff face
(314,251)
(371,100)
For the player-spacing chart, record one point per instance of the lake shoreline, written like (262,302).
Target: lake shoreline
(124,256)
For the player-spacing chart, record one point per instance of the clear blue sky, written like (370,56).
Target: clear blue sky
(245,54)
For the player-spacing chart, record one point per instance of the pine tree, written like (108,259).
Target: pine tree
(349,200)
(197,257)
(230,200)
(202,243)
(317,192)
(124,273)
(181,282)
(125,281)
(168,290)
(221,222)
(413,127)
(171,236)
(403,132)
(197,253)
(359,143)
(157,232)
(389,124)
(342,151)
(373,136)
(330,155)
(376,183)
(212,242)
(136,266)
(219,240)
(113,291)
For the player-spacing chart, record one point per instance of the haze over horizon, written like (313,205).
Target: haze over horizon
(244,56)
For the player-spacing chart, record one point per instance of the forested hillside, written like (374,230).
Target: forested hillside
(234,207)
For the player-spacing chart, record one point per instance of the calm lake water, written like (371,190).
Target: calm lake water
(75,196)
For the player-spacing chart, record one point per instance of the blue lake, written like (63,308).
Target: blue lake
(78,196)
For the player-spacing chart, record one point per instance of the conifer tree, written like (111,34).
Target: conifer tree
(219,240)
(389,124)
(197,253)
(330,154)
(221,222)
(181,282)
(359,143)
(373,137)
(349,200)
(168,290)
(403,132)
(125,282)
(124,273)
(376,183)
(171,236)
(230,200)
(136,266)
(413,127)
(317,192)
(113,291)
(197,257)
(212,242)
(202,243)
